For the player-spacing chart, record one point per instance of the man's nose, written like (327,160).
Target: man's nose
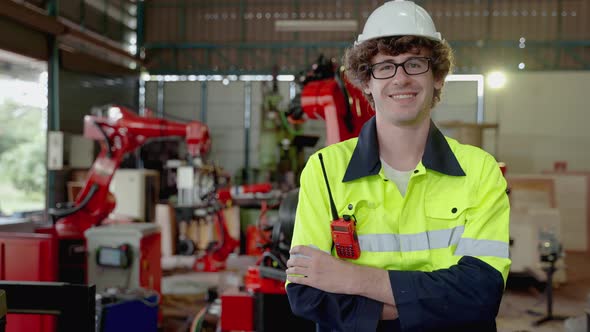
(400,78)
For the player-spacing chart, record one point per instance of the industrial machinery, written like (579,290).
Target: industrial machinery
(125,256)
(119,132)
(58,252)
(327,94)
(263,305)
(204,196)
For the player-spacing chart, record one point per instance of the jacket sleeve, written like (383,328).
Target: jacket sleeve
(468,293)
(335,312)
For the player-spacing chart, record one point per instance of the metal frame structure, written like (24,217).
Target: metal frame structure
(540,55)
(74,305)
(181,50)
(479,79)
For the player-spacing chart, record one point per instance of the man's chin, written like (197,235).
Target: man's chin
(414,120)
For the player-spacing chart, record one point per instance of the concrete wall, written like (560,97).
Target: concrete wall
(182,100)
(543,117)
(225,118)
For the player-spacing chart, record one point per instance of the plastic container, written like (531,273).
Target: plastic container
(122,314)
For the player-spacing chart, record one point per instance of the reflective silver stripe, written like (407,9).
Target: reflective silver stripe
(379,242)
(473,247)
(438,239)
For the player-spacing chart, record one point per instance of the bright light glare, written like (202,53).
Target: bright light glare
(496,79)
(24,92)
(286,78)
(115,113)
(43,78)
(521,65)
(132,49)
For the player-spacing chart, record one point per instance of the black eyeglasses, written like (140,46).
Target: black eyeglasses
(388,69)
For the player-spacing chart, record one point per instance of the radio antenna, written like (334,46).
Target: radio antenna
(332,205)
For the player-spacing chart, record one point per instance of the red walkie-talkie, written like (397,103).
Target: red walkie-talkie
(343,229)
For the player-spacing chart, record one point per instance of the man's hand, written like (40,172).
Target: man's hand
(315,268)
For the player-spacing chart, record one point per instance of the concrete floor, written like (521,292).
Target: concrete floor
(570,299)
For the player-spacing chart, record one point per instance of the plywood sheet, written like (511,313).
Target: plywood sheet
(570,197)
(576,187)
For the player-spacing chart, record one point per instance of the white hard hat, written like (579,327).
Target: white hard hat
(399,18)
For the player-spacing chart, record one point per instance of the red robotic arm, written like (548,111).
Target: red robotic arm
(327,94)
(119,131)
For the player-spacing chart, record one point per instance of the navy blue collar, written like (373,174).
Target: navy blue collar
(365,160)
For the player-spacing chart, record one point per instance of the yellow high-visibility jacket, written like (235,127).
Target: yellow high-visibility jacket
(445,243)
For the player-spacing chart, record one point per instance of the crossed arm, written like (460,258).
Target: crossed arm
(342,296)
(315,268)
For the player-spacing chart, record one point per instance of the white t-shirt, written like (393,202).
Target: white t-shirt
(400,178)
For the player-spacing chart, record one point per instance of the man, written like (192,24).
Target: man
(431,214)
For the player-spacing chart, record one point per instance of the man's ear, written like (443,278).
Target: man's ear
(365,87)
(438,83)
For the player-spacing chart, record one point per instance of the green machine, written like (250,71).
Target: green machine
(281,141)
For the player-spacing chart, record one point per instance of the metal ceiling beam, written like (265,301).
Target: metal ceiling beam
(114,12)
(78,32)
(340,44)
(245,45)
(36,19)
(31,16)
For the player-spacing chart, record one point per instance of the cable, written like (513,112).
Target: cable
(60,213)
(106,139)
(197,324)
(348,114)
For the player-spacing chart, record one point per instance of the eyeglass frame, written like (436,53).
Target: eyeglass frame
(428,61)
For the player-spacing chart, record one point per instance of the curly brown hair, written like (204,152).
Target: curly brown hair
(357,59)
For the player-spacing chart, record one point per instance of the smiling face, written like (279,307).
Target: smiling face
(403,100)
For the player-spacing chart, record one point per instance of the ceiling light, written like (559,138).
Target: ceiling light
(496,79)
(316,25)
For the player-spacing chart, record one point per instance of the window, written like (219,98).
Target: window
(23,131)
